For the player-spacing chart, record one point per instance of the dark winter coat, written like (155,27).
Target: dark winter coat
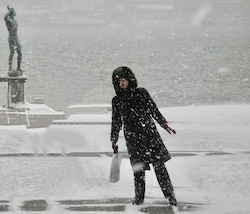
(135,109)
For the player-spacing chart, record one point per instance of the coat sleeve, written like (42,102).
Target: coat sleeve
(153,109)
(116,124)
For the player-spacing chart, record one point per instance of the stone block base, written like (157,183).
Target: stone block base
(38,116)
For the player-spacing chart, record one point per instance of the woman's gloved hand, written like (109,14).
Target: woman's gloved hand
(168,128)
(114,146)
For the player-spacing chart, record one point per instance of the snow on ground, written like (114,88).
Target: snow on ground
(219,180)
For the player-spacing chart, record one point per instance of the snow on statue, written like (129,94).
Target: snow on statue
(14,44)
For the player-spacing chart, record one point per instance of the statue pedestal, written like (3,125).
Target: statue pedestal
(20,112)
(16,89)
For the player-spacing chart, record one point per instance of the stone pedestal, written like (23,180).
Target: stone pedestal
(16,89)
(20,112)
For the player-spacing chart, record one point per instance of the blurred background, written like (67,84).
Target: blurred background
(183,52)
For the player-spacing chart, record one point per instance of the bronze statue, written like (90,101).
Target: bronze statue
(14,44)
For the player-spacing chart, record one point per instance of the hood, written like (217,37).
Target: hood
(124,72)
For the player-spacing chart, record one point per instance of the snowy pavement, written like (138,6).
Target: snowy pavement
(65,168)
(121,202)
(119,205)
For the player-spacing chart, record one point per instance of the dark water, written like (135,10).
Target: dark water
(69,53)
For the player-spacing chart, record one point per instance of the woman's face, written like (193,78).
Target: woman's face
(123,83)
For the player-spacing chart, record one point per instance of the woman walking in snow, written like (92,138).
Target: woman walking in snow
(133,108)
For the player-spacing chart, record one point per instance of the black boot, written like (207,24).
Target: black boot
(137,201)
(172,201)
(139,180)
(165,183)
